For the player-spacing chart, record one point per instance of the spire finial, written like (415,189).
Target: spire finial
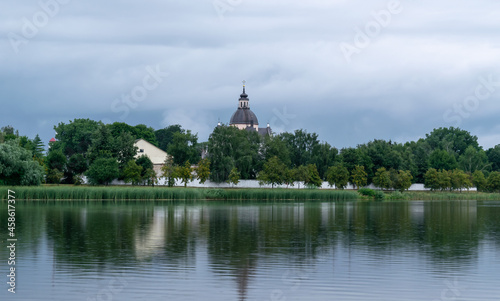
(244,82)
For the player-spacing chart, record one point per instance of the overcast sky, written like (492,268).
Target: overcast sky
(351,71)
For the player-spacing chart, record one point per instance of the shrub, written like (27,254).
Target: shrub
(367,191)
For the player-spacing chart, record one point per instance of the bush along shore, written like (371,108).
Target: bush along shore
(120,193)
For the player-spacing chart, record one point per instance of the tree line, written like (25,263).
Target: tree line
(104,152)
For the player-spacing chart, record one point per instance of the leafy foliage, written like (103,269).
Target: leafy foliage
(185,173)
(17,166)
(102,171)
(169,171)
(358,176)
(203,170)
(234,176)
(338,175)
(132,173)
(184,147)
(274,172)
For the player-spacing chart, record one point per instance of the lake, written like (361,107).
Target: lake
(412,250)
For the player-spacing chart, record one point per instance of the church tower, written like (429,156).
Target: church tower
(244,118)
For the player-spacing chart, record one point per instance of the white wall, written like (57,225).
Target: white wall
(255,184)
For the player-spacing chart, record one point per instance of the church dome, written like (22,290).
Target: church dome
(244,116)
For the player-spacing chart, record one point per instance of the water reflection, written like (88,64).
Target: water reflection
(249,243)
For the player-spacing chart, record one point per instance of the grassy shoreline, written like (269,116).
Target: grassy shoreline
(161,193)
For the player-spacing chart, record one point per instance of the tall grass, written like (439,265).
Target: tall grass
(115,193)
(289,194)
(125,193)
(443,195)
(121,193)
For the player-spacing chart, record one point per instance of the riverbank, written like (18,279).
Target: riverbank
(146,193)
(161,193)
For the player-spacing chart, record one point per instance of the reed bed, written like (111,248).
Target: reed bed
(446,195)
(121,193)
(289,194)
(161,193)
(115,193)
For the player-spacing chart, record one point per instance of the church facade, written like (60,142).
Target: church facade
(245,119)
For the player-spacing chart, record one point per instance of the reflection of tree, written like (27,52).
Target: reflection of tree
(96,232)
(233,244)
(237,235)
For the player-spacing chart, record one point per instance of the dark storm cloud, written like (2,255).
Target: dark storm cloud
(413,62)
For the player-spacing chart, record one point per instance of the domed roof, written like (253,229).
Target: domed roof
(244,116)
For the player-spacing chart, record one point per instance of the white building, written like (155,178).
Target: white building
(155,154)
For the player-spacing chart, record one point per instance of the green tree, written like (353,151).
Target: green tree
(494,157)
(452,140)
(230,147)
(441,159)
(382,178)
(301,174)
(234,176)
(350,157)
(56,164)
(290,175)
(323,156)
(473,159)
(432,179)
(184,147)
(54,176)
(142,131)
(420,151)
(147,168)
(203,170)
(460,180)
(313,179)
(274,146)
(185,173)
(274,172)
(124,149)
(150,177)
(56,160)
(479,180)
(358,176)
(17,166)
(101,145)
(166,136)
(77,165)
(139,131)
(444,179)
(300,145)
(169,171)
(338,175)
(102,171)
(132,173)
(403,181)
(8,133)
(38,147)
(76,137)
(493,181)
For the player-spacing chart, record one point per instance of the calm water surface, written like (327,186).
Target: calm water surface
(437,250)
